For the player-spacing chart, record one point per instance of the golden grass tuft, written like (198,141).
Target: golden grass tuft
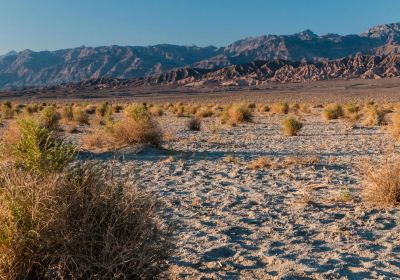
(332,112)
(259,163)
(383,184)
(374,115)
(395,126)
(280,108)
(291,126)
(236,113)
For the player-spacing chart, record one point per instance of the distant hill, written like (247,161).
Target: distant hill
(47,68)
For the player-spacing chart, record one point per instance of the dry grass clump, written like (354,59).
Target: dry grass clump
(305,108)
(395,126)
(260,163)
(49,118)
(102,109)
(7,111)
(91,109)
(281,108)
(97,139)
(291,126)
(204,112)
(374,115)
(194,124)
(67,113)
(262,108)
(137,111)
(332,112)
(236,113)
(156,110)
(80,224)
(80,116)
(36,148)
(383,184)
(31,109)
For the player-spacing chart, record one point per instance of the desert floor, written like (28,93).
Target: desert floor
(300,217)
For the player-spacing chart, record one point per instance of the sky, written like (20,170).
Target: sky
(58,24)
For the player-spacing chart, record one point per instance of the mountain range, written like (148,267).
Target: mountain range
(254,60)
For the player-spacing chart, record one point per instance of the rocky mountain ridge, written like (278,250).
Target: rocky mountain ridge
(49,68)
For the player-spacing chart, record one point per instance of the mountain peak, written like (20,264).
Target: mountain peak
(306,35)
(387,32)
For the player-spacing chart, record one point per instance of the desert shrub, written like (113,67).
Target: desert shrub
(383,184)
(67,113)
(137,111)
(262,108)
(36,148)
(294,108)
(101,109)
(236,113)
(7,111)
(281,108)
(374,115)
(134,130)
(332,112)
(117,108)
(351,108)
(31,108)
(79,225)
(156,111)
(80,116)
(204,112)
(49,118)
(259,163)
(395,126)
(194,124)
(97,139)
(90,109)
(291,126)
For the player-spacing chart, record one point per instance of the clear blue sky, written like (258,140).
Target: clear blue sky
(55,24)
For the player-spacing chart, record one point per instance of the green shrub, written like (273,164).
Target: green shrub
(50,118)
(137,111)
(38,149)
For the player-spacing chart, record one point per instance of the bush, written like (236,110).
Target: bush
(31,108)
(130,131)
(101,109)
(374,115)
(194,124)
(282,108)
(137,111)
(291,126)
(50,118)
(383,184)
(79,225)
(36,148)
(332,112)
(204,112)
(6,110)
(395,127)
(80,116)
(236,113)
(156,111)
(67,113)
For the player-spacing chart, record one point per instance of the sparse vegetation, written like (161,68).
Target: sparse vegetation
(49,118)
(281,108)
(80,116)
(36,148)
(81,224)
(374,115)
(332,112)
(291,126)
(236,113)
(383,184)
(194,124)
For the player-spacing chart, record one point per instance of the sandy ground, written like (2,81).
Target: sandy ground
(300,218)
